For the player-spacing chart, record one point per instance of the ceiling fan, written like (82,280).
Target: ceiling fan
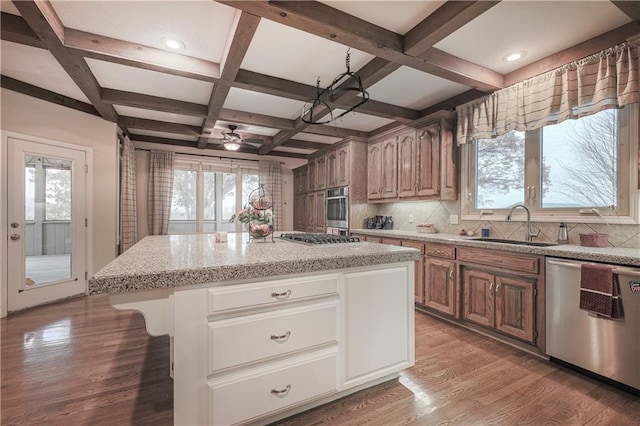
(232,141)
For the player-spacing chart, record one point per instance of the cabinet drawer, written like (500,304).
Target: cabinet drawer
(438,250)
(391,241)
(247,295)
(413,244)
(251,338)
(500,259)
(252,396)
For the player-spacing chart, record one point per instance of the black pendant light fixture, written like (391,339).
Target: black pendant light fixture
(315,110)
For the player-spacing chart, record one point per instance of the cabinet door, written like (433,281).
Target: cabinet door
(419,272)
(332,169)
(478,290)
(311,214)
(389,169)
(321,172)
(378,323)
(311,175)
(440,285)
(299,211)
(320,212)
(342,166)
(374,173)
(407,164)
(515,307)
(428,161)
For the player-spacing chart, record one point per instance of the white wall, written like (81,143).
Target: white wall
(34,117)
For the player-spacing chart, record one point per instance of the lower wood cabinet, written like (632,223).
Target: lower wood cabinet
(501,302)
(440,285)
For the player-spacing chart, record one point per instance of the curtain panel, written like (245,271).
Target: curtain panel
(270,175)
(160,191)
(608,79)
(128,212)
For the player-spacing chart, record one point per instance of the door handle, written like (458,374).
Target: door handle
(490,287)
(15,224)
(15,237)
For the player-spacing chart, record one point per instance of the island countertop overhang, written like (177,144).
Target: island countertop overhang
(185,260)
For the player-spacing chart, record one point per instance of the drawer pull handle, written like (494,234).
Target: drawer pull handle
(283,294)
(281,337)
(281,392)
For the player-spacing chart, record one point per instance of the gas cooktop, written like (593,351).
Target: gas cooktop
(319,238)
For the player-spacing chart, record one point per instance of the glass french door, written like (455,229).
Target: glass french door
(46,218)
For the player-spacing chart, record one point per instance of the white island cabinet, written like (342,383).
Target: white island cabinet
(257,350)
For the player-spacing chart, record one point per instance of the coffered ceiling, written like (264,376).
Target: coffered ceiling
(254,63)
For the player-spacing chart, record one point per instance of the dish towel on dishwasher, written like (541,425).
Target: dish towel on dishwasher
(599,291)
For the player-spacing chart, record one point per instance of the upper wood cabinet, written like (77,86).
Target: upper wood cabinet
(300,179)
(382,163)
(338,167)
(317,173)
(425,165)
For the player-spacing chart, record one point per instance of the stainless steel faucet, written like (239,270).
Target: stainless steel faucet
(530,234)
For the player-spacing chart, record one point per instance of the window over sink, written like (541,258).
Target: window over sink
(577,170)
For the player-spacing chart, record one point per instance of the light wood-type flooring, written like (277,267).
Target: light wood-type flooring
(81,362)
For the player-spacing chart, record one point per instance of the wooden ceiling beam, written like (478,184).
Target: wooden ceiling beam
(629,8)
(46,95)
(15,29)
(140,56)
(159,126)
(332,24)
(297,143)
(155,103)
(254,119)
(335,132)
(43,20)
(445,20)
(210,146)
(586,48)
(245,28)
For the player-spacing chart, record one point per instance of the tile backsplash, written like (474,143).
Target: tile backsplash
(438,212)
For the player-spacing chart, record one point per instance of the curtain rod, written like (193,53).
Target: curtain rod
(209,156)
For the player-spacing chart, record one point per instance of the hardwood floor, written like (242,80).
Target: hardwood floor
(81,362)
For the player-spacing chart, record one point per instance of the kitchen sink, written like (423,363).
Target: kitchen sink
(518,242)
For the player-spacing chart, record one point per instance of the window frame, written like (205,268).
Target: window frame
(202,165)
(628,193)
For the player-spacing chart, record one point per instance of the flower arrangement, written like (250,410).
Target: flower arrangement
(259,223)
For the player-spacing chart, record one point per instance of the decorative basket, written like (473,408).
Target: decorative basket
(594,240)
(426,228)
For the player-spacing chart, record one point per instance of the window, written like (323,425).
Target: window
(205,196)
(573,170)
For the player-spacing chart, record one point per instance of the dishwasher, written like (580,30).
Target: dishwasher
(609,348)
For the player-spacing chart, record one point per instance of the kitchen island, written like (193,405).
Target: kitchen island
(261,330)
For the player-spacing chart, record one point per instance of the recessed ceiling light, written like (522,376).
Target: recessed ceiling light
(172,43)
(514,56)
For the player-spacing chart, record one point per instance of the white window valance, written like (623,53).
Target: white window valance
(608,79)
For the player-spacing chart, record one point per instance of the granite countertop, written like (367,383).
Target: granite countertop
(613,255)
(183,260)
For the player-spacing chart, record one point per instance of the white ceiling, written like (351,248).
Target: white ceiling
(289,58)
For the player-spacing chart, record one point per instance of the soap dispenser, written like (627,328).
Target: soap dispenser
(563,234)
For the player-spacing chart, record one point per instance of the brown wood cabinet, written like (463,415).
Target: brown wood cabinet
(299,211)
(382,163)
(440,285)
(338,167)
(300,179)
(420,270)
(501,295)
(426,163)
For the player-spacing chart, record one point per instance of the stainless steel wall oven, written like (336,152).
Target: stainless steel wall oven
(337,210)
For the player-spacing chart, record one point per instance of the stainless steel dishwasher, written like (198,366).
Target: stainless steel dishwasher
(610,348)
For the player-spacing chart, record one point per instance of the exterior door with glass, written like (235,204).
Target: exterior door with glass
(47,223)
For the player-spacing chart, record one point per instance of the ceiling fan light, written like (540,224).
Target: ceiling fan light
(231,145)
